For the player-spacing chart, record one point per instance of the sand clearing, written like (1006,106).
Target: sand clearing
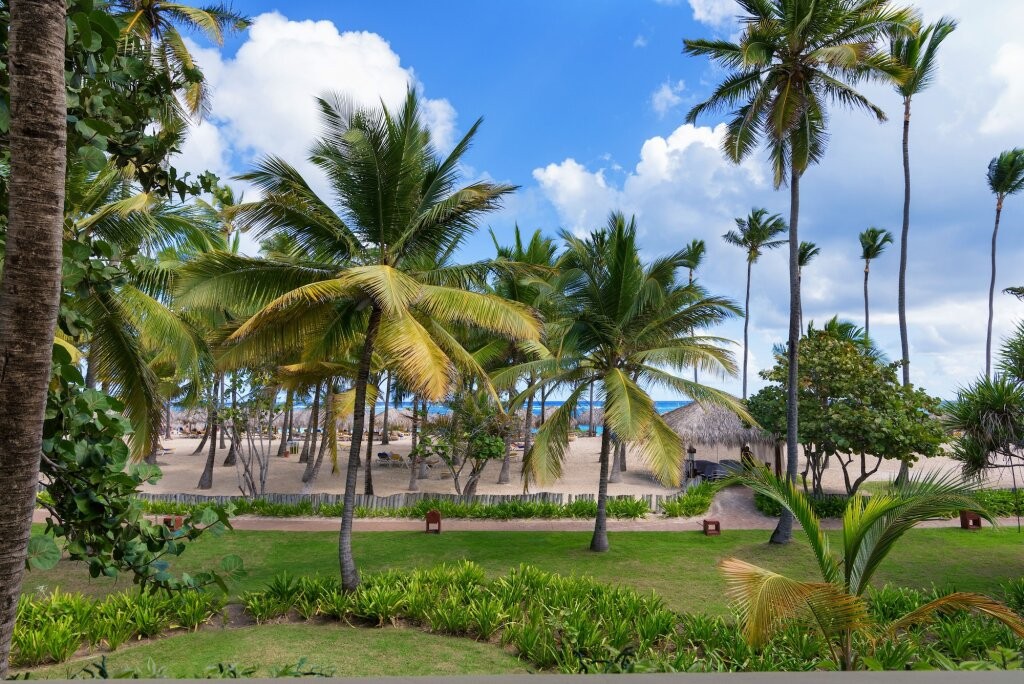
(579,476)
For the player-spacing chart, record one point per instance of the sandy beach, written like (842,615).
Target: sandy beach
(181,469)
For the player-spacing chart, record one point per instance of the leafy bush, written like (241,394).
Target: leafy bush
(827,506)
(1013,595)
(1002,502)
(696,501)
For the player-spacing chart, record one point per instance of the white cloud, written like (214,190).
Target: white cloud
(717,13)
(640,41)
(263,96)
(667,96)
(1005,115)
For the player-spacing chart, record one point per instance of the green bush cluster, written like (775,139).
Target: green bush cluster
(1002,502)
(827,506)
(630,508)
(696,501)
(53,628)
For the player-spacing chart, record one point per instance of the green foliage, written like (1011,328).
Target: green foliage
(696,501)
(824,506)
(90,494)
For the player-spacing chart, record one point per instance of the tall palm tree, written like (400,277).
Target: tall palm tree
(873,242)
(30,284)
(755,234)
(156,23)
(693,257)
(395,213)
(916,52)
(629,329)
(1005,178)
(792,60)
(835,606)
(805,255)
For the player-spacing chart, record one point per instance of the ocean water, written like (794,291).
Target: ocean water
(581,410)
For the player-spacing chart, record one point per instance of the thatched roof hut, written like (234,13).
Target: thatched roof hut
(712,426)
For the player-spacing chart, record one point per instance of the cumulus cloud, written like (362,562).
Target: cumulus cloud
(263,96)
(667,96)
(1005,115)
(715,13)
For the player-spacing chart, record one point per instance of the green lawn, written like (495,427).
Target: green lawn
(680,566)
(349,651)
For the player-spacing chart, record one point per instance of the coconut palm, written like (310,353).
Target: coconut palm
(1005,178)
(873,242)
(156,23)
(794,58)
(806,254)
(693,257)
(916,52)
(835,606)
(380,244)
(755,234)
(629,330)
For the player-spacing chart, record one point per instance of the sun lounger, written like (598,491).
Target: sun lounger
(384,458)
(397,460)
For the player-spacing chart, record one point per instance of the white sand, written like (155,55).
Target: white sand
(579,475)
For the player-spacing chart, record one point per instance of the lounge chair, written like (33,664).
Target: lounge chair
(384,458)
(397,460)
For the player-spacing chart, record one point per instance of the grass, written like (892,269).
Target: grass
(679,566)
(349,651)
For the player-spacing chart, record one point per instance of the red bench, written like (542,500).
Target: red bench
(433,522)
(712,528)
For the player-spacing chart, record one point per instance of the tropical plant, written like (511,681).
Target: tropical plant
(806,254)
(836,606)
(792,60)
(873,242)
(916,52)
(755,234)
(630,328)
(693,257)
(378,274)
(1005,178)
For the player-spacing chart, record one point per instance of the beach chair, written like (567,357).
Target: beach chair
(397,460)
(384,458)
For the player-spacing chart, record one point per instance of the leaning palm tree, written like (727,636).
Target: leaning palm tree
(805,255)
(793,59)
(835,606)
(755,234)
(916,51)
(380,246)
(1005,178)
(873,242)
(156,23)
(630,329)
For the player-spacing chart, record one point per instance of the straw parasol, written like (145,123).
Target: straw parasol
(712,426)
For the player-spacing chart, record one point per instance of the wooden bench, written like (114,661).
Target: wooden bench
(433,522)
(969,520)
(712,528)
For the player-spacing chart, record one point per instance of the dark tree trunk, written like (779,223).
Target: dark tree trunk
(867,314)
(506,463)
(746,327)
(311,473)
(414,484)
(543,405)
(599,542)
(591,428)
(992,291)
(902,297)
(30,285)
(206,432)
(232,456)
(349,572)
(527,428)
(309,446)
(220,402)
(622,458)
(368,478)
(206,479)
(384,439)
(282,448)
(784,530)
(90,372)
(167,421)
(615,476)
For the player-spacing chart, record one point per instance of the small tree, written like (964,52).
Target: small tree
(852,405)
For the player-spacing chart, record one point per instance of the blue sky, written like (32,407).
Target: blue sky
(584,101)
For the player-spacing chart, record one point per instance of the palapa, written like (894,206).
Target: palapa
(714,425)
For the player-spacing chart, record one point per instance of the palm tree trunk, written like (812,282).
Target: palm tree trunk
(867,316)
(992,291)
(746,327)
(349,572)
(328,433)
(232,456)
(282,448)
(904,340)
(206,433)
(220,400)
(368,481)
(599,542)
(615,476)
(543,405)
(314,427)
(591,428)
(384,439)
(528,426)
(311,426)
(167,421)
(503,476)
(206,479)
(30,285)
(414,485)
(800,283)
(784,530)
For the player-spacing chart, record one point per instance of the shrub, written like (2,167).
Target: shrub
(379,603)
(695,501)
(825,506)
(1013,595)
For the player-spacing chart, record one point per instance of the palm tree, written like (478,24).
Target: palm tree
(30,284)
(873,242)
(629,328)
(835,606)
(1005,178)
(693,257)
(792,60)
(806,254)
(396,214)
(916,52)
(156,23)
(755,234)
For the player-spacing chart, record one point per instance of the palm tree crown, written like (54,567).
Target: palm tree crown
(1005,178)
(757,233)
(873,242)
(916,51)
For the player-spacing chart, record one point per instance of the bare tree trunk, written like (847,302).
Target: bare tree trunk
(220,402)
(992,291)
(232,456)
(167,420)
(30,285)
(349,572)
(591,428)
(206,479)
(615,476)
(599,542)
(329,434)
(384,438)
(528,426)
(867,314)
(904,339)
(543,405)
(784,530)
(309,446)
(286,427)
(622,458)
(368,478)
(746,327)
(206,432)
